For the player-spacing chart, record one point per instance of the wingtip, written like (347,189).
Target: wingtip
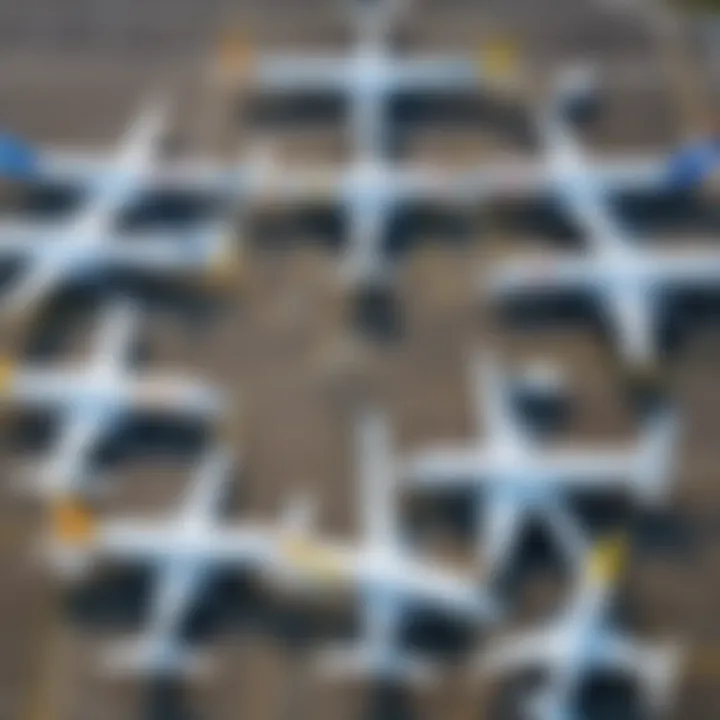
(72,522)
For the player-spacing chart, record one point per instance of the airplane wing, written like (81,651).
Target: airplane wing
(23,238)
(504,515)
(642,174)
(162,650)
(33,287)
(446,467)
(209,488)
(116,334)
(492,403)
(85,169)
(175,397)
(542,276)
(435,74)
(126,176)
(73,166)
(148,541)
(631,311)
(179,584)
(67,469)
(592,468)
(566,530)
(518,180)
(521,652)
(299,186)
(166,253)
(302,74)
(376,478)
(656,667)
(686,271)
(427,186)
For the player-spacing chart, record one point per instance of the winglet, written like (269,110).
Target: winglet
(225,266)
(235,56)
(72,522)
(7,372)
(499,59)
(608,558)
(656,455)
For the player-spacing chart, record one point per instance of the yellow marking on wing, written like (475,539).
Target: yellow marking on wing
(608,559)
(73,522)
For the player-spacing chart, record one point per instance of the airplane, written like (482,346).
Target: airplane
(629,283)
(514,479)
(582,641)
(183,550)
(91,401)
(369,191)
(386,578)
(371,75)
(87,245)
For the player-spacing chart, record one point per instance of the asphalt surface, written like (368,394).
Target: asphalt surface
(287,348)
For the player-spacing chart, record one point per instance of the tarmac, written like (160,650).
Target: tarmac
(286,346)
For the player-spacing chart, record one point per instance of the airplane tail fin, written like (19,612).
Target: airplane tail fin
(153,658)
(543,705)
(660,674)
(656,456)
(364,661)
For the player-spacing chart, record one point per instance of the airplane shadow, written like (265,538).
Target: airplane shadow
(602,697)
(455,111)
(642,214)
(680,314)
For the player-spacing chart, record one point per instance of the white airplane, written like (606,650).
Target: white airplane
(628,282)
(580,642)
(514,478)
(370,192)
(88,245)
(371,75)
(183,550)
(387,579)
(92,401)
